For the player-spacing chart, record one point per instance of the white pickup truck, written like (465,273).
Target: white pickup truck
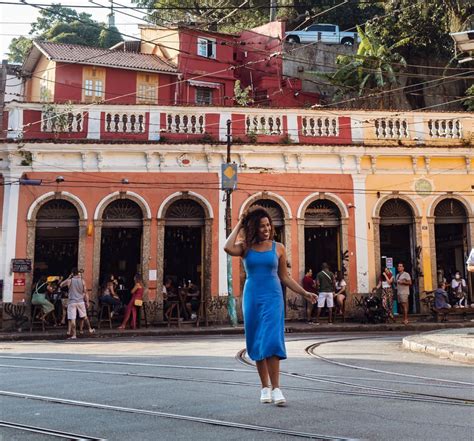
(325,33)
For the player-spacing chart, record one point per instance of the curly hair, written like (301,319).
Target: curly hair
(251,224)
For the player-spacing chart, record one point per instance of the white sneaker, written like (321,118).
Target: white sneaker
(278,397)
(266,395)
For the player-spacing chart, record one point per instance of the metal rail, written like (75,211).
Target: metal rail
(51,432)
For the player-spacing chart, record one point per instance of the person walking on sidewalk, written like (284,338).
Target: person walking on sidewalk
(403,281)
(263,308)
(76,305)
(326,283)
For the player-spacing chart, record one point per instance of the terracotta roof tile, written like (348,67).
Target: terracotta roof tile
(74,53)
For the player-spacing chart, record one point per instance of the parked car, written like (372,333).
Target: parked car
(325,33)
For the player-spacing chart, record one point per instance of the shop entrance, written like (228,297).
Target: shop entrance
(183,248)
(322,235)
(56,239)
(397,242)
(121,241)
(450,239)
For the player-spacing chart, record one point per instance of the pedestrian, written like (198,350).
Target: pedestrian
(135,301)
(263,308)
(386,283)
(459,290)
(340,294)
(326,284)
(39,297)
(76,305)
(310,286)
(403,281)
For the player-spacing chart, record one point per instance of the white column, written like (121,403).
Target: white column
(15,123)
(357,129)
(154,126)
(361,239)
(224,116)
(292,122)
(418,130)
(93,126)
(11,195)
(222,238)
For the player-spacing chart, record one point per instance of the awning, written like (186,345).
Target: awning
(204,84)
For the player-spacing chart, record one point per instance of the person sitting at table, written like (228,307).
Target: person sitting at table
(42,288)
(108,296)
(192,301)
(168,297)
(136,300)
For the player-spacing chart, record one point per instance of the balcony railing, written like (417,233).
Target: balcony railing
(205,124)
(186,123)
(125,122)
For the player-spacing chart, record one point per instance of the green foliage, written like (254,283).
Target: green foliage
(18,49)
(242,96)
(59,24)
(109,37)
(195,11)
(469,102)
(374,68)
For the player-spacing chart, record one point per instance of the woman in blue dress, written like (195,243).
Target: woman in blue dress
(263,307)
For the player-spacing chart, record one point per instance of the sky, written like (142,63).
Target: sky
(15,20)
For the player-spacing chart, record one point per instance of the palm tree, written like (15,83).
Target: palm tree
(375,68)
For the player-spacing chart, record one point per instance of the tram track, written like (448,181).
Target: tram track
(50,432)
(369,390)
(173,416)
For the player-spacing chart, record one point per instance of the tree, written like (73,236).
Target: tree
(469,102)
(64,25)
(253,13)
(375,68)
(18,49)
(109,37)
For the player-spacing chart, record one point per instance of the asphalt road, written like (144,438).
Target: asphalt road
(338,386)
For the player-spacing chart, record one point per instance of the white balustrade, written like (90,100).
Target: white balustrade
(391,128)
(320,126)
(445,128)
(125,122)
(185,123)
(70,122)
(264,124)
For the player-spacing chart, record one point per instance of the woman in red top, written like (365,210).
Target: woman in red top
(137,294)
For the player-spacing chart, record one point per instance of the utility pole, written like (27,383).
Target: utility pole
(228,226)
(273,8)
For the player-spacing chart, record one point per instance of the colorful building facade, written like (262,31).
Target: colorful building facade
(357,189)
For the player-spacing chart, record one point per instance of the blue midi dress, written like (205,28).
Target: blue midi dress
(263,308)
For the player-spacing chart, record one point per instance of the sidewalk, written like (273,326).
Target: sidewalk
(455,344)
(290,327)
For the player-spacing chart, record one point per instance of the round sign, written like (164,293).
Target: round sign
(423,187)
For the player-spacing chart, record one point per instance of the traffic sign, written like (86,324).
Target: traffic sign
(229,176)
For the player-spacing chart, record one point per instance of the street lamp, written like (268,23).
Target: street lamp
(464,42)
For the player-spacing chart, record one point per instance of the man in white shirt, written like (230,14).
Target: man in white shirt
(403,280)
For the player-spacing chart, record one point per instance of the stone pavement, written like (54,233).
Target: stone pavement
(290,327)
(455,344)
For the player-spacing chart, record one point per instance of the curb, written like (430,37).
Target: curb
(418,343)
(228,330)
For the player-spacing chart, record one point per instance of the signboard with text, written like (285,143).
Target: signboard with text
(21,265)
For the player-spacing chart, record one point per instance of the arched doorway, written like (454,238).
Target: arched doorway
(451,238)
(183,243)
(56,245)
(398,242)
(121,241)
(322,235)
